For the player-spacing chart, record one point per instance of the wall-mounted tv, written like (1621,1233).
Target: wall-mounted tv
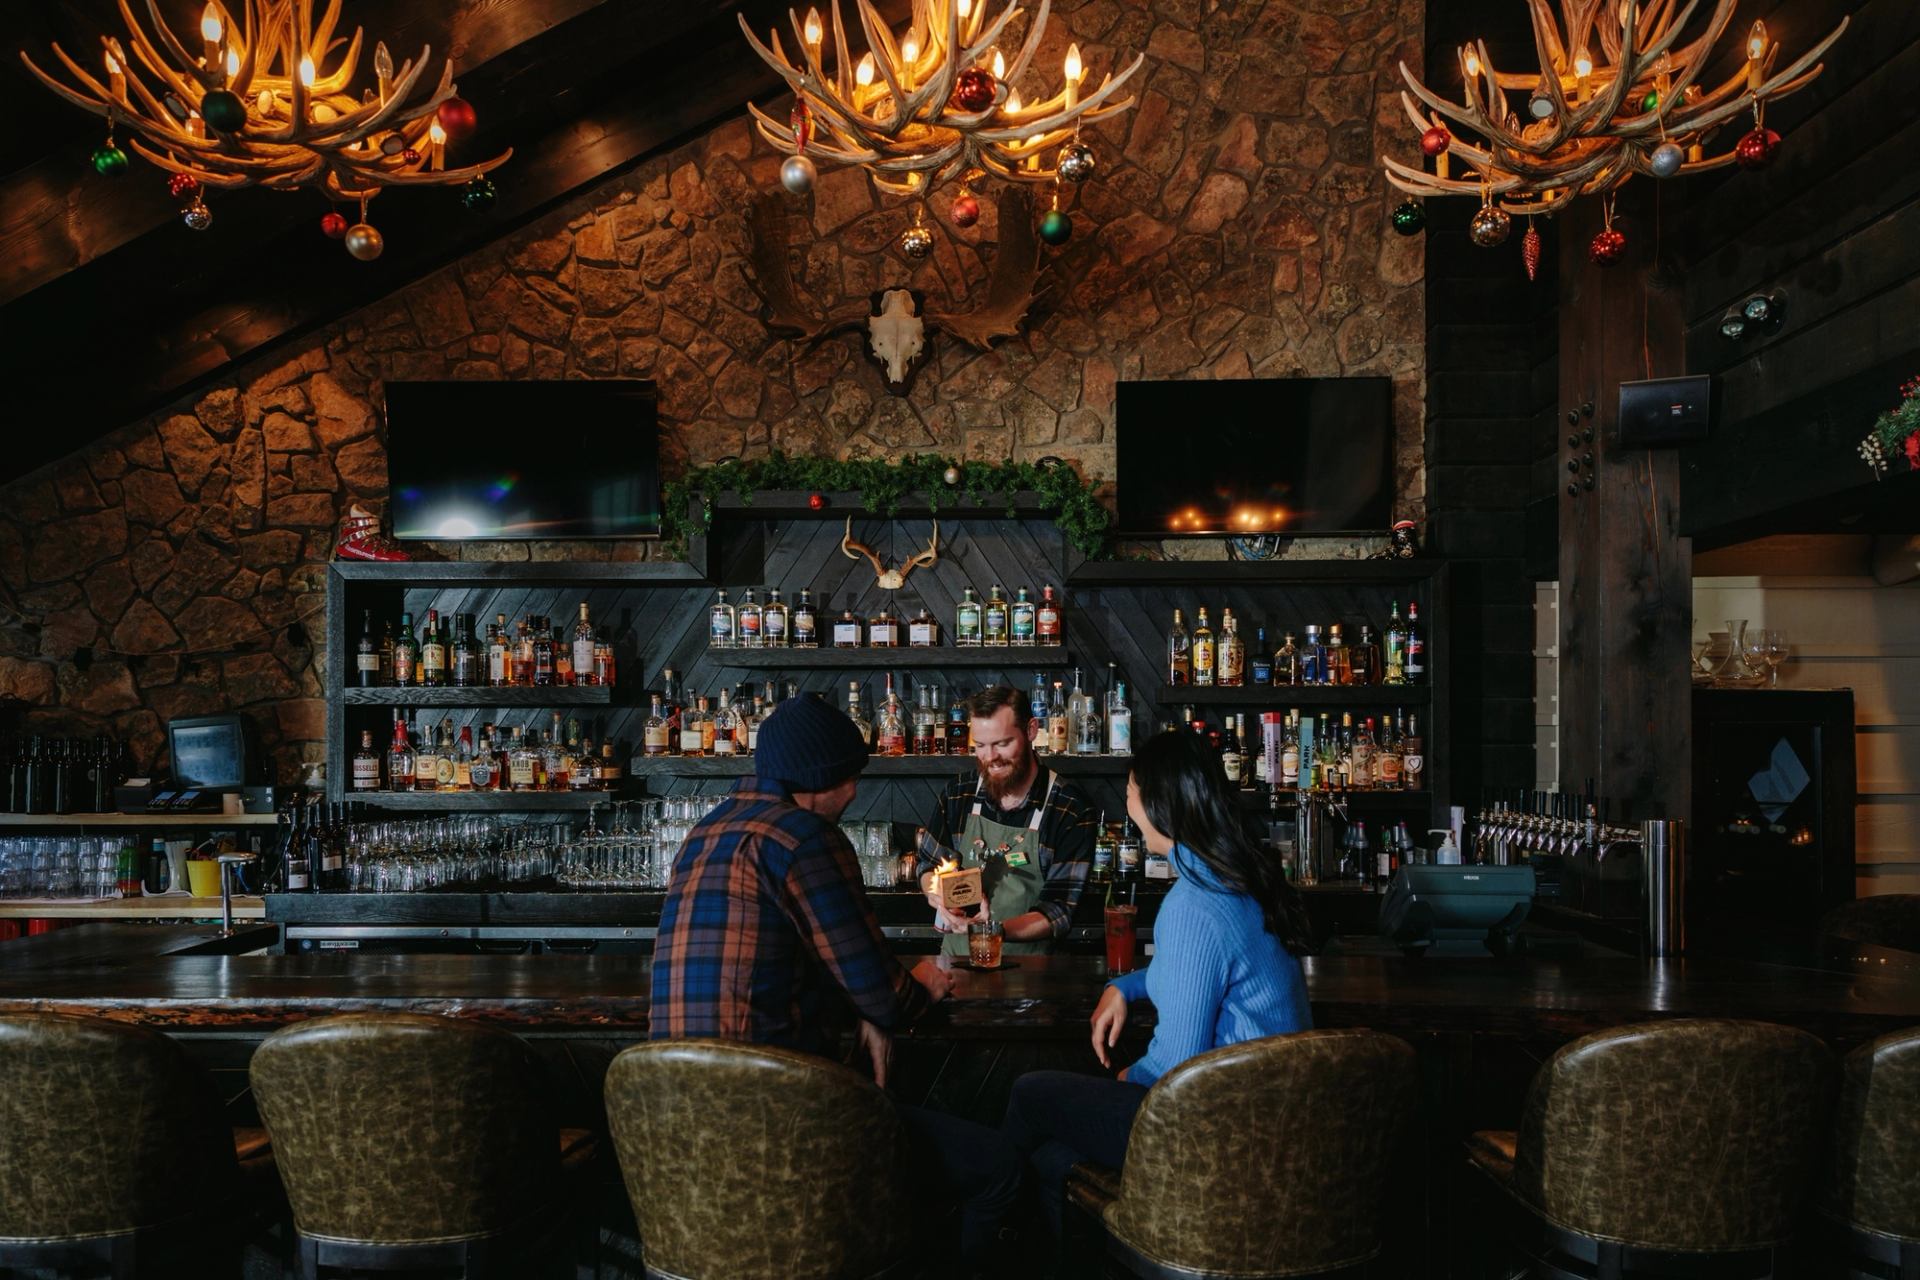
(576,459)
(1254,456)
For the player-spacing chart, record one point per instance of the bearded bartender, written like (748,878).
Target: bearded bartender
(1029,830)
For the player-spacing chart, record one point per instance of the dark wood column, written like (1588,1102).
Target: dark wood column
(1626,591)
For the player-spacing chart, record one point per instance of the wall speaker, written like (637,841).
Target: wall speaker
(1665,411)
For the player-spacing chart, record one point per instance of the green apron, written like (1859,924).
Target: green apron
(1013,863)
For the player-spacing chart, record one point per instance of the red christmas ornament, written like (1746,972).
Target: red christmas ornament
(410,156)
(333,226)
(456,116)
(1607,248)
(800,120)
(183,186)
(966,209)
(1435,140)
(1755,149)
(973,91)
(816,501)
(1530,250)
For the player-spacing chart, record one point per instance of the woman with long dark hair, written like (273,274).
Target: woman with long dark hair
(1225,966)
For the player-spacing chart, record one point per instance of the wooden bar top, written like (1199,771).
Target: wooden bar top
(1043,997)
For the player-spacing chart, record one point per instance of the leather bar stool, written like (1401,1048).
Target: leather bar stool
(409,1142)
(1677,1148)
(1872,1185)
(1267,1158)
(115,1154)
(747,1162)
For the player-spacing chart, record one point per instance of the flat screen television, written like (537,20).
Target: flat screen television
(575,459)
(1254,456)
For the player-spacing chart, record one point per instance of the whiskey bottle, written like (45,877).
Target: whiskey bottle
(1204,653)
(1364,763)
(366,663)
(696,730)
(483,769)
(927,738)
(386,653)
(806,623)
(655,740)
(1363,657)
(726,737)
(1232,759)
(1339,668)
(542,652)
(1119,721)
(603,664)
(467,672)
(1389,758)
(584,643)
(774,619)
(583,772)
(499,653)
(923,632)
(1059,721)
(1286,662)
(994,622)
(1233,652)
(847,630)
(1047,624)
(400,759)
(967,621)
(611,771)
(883,628)
(366,764)
(751,633)
(426,761)
(1022,622)
(720,623)
(755,719)
(559,757)
(1290,752)
(861,724)
(1179,653)
(433,653)
(523,652)
(891,731)
(443,755)
(1416,660)
(1394,657)
(463,761)
(522,762)
(406,654)
(675,699)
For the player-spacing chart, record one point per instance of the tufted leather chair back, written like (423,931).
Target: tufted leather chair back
(1873,1179)
(1268,1157)
(403,1129)
(755,1163)
(1692,1135)
(104,1129)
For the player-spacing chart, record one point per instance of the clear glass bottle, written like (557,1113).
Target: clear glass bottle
(469,659)
(890,732)
(426,760)
(721,623)
(856,714)
(656,739)
(583,773)
(1339,666)
(523,762)
(481,770)
(967,621)
(1286,662)
(463,760)
(927,739)
(696,730)
(923,632)
(1119,721)
(883,628)
(1290,751)
(1059,721)
(805,622)
(523,652)
(1233,652)
(584,638)
(1394,652)
(726,726)
(1084,720)
(1037,697)
(754,719)
(1048,627)
(1179,652)
(847,631)
(444,749)
(995,625)
(499,653)
(1412,756)
(752,633)
(366,764)
(400,759)
(1364,763)
(1022,620)
(1204,652)
(1389,757)
(543,668)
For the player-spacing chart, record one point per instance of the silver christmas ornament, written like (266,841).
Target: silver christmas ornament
(797,174)
(1490,227)
(916,241)
(197,216)
(364,242)
(1666,160)
(1077,162)
(951,475)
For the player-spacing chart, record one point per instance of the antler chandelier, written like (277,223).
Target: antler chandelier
(939,102)
(1616,95)
(259,105)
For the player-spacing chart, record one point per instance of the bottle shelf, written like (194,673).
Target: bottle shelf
(877,767)
(485,801)
(212,821)
(1279,696)
(508,696)
(903,656)
(1361,802)
(1233,573)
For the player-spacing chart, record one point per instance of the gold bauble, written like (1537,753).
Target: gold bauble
(364,241)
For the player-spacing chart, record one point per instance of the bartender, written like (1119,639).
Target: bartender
(1029,830)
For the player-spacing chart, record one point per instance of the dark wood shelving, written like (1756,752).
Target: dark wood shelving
(796,504)
(511,696)
(1181,573)
(842,659)
(877,767)
(430,573)
(487,801)
(1356,801)
(1297,695)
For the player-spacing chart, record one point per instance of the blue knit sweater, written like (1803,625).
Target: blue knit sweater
(1217,977)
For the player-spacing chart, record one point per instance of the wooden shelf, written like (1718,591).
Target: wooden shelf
(1277,696)
(454,573)
(485,801)
(137,819)
(846,659)
(508,696)
(159,908)
(796,504)
(1181,573)
(877,767)
(1358,801)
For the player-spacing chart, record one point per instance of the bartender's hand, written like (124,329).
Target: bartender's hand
(936,980)
(878,1045)
(1109,1017)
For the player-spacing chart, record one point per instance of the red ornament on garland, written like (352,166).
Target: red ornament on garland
(1435,140)
(183,186)
(333,226)
(1756,148)
(800,120)
(1607,248)
(966,209)
(974,90)
(410,156)
(816,501)
(456,116)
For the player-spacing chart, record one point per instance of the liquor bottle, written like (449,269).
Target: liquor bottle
(553,759)
(883,628)
(1389,758)
(995,625)
(483,769)
(1416,659)
(923,632)
(854,713)
(1119,721)
(1343,757)
(1179,653)
(584,641)
(400,759)
(1413,759)
(583,773)
(1059,721)
(1286,662)
(406,654)
(1260,659)
(720,623)
(499,653)
(463,760)
(296,868)
(1047,626)
(1339,668)
(655,739)
(467,671)
(1394,656)
(610,768)
(959,725)
(366,764)
(891,730)
(522,762)
(523,652)
(366,665)
(443,760)
(927,738)
(1312,663)
(1204,653)
(426,761)
(1022,621)
(1290,752)
(1386,859)
(1232,759)
(433,653)
(752,634)
(1233,652)
(1037,698)
(806,623)
(966,620)
(1364,762)
(1083,715)
(847,630)
(695,729)
(726,737)
(1101,872)
(1363,657)
(542,651)
(386,653)
(1126,854)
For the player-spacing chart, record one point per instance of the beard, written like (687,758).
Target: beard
(1008,778)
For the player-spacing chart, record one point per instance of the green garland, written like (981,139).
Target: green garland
(881,486)
(1895,438)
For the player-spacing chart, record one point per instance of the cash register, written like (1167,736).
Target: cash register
(1455,906)
(209,761)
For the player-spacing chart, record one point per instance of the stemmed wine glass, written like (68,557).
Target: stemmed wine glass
(1768,645)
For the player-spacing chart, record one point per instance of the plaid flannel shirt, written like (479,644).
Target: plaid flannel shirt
(766,935)
(1067,830)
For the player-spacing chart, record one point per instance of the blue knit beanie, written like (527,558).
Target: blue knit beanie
(807,745)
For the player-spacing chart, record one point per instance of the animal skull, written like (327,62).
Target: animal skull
(897,337)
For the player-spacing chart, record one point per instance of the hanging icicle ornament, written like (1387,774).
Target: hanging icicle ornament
(1530,250)
(1409,218)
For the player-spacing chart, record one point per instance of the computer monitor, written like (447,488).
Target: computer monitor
(209,752)
(1428,904)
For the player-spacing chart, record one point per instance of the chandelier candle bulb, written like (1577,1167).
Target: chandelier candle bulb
(210,28)
(1756,55)
(1074,70)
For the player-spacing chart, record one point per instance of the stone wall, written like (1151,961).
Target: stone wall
(1236,229)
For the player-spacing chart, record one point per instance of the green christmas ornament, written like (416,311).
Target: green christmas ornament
(1056,227)
(110,161)
(223,111)
(1651,102)
(478,195)
(1409,218)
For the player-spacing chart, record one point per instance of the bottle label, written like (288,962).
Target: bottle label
(426,770)
(753,737)
(920,635)
(1023,625)
(463,774)
(690,739)
(1416,664)
(803,628)
(1159,869)
(884,635)
(966,625)
(1202,658)
(657,740)
(443,770)
(402,665)
(497,665)
(1231,763)
(750,626)
(366,775)
(775,626)
(846,634)
(997,621)
(520,774)
(582,657)
(1388,767)
(433,657)
(297,880)
(720,627)
(723,744)
(1049,626)
(1290,765)
(480,772)
(1120,733)
(370,661)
